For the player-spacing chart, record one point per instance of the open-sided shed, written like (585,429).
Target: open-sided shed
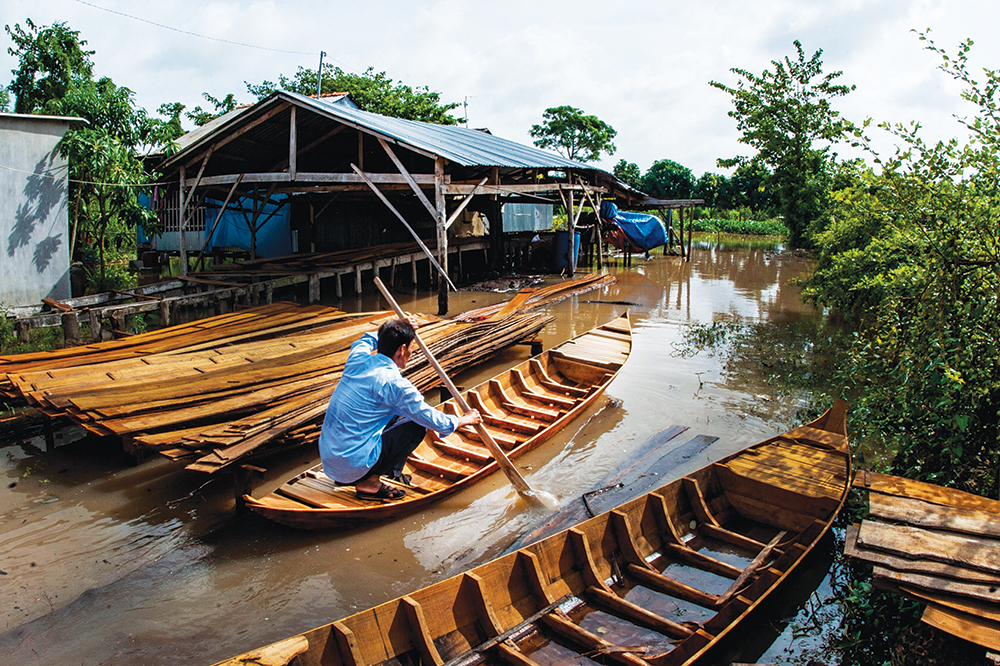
(355,179)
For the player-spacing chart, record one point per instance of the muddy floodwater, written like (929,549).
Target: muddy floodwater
(101,563)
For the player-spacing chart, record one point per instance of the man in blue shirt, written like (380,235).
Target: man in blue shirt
(376,417)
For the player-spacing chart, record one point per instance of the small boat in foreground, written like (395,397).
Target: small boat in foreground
(659,580)
(521,408)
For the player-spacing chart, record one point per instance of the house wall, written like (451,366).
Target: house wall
(34,222)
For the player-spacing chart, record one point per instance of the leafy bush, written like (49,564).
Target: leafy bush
(116,276)
(742,227)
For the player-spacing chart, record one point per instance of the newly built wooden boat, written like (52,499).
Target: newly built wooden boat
(521,408)
(660,580)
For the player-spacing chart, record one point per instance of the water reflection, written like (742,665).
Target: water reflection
(202,585)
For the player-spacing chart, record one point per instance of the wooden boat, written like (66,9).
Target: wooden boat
(660,580)
(521,408)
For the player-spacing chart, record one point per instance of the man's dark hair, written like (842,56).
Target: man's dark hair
(393,334)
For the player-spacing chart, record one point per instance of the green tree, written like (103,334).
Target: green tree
(628,173)
(748,189)
(54,76)
(577,136)
(51,60)
(913,259)
(786,115)
(372,91)
(202,117)
(667,179)
(713,188)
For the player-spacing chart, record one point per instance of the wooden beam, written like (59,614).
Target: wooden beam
(402,219)
(442,233)
(208,236)
(292,146)
(461,206)
(465,187)
(409,179)
(240,132)
(310,177)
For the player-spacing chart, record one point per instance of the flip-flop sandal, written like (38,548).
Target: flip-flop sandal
(383,493)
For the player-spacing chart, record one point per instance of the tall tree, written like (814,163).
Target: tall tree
(629,173)
(577,136)
(51,60)
(713,188)
(667,179)
(372,91)
(786,115)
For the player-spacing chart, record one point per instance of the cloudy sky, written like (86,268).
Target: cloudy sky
(642,67)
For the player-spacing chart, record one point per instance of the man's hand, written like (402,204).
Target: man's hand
(471,417)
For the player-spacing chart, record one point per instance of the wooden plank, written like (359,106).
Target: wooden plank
(986,593)
(906,565)
(973,629)
(978,553)
(561,624)
(925,514)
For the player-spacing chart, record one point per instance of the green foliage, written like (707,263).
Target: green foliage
(667,179)
(912,260)
(741,227)
(629,173)
(201,117)
(785,114)
(108,277)
(578,136)
(713,188)
(372,91)
(54,76)
(51,61)
(42,339)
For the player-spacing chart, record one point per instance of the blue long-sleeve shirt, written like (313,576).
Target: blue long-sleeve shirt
(370,392)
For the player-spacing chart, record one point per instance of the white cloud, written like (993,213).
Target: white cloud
(643,67)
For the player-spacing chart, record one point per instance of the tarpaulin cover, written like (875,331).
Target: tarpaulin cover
(642,230)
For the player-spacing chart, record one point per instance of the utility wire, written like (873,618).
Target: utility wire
(193,34)
(50,175)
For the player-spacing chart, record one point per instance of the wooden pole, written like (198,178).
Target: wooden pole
(442,234)
(499,456)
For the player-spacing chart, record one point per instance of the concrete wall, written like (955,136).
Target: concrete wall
(34,222)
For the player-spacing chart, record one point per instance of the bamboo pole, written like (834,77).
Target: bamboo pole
(499,456)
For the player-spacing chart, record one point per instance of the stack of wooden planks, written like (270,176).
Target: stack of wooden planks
(544,296)
(220,388)
(937,545)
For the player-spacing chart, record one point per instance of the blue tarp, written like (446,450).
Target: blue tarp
(642,230)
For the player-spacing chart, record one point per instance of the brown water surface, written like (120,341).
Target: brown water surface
(107,564)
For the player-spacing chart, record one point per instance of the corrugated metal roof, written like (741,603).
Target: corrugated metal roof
(467,147)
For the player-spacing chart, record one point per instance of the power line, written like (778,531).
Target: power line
(193,34)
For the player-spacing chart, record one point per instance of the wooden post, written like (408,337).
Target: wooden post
(269,292)
(496,225)
(95,323)
(164,313)
(413,269)
(690,234)
(244,477)
(357,279)
(71,329)
(118,321)
(392,272)
(292,146)
(680,227)
(23,328)
(338,279)
(314,288)
(222,304)
(571,224)
(442,235)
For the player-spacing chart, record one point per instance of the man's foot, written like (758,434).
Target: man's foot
(405,479)
(383,493)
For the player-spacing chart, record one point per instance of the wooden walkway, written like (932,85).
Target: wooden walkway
(937,545)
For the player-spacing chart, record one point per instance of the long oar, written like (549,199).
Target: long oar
(503,461)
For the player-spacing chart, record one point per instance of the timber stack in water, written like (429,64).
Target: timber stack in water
(219,389)
(936,545)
